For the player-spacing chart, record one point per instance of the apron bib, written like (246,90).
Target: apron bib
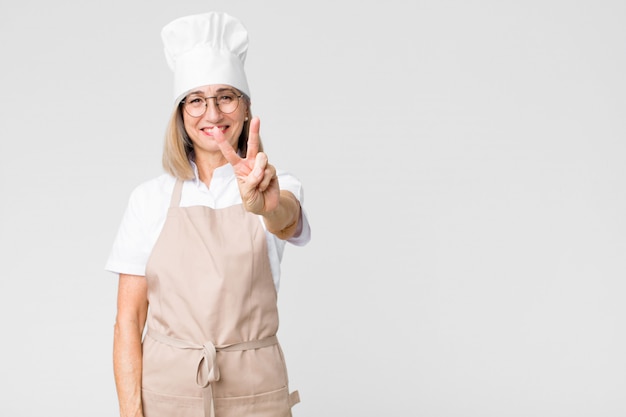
(211,347)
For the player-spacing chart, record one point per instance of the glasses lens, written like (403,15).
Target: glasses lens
(195,106)
(227,102)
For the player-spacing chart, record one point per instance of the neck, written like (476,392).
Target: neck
(207,163)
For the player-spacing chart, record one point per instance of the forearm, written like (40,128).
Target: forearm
(127,366)
(283,221)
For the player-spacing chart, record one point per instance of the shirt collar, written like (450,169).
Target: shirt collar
(219,173)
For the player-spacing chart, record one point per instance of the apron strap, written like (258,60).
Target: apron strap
(208,361)
(178,191)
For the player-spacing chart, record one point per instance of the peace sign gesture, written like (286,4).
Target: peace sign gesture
(258,184)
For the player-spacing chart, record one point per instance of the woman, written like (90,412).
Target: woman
(198,251)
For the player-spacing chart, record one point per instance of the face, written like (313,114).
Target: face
(200,129)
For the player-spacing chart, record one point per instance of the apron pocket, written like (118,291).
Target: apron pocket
(163,405)
(270,404)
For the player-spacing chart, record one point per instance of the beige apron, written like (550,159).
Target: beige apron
(211,347)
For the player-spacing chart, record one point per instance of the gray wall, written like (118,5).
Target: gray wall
(463,165)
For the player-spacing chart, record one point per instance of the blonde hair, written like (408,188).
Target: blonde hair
(178,148)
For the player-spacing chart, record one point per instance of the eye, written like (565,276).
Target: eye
(195,101)
(226,98)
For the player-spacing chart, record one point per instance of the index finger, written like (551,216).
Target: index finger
(227,150)
(253,138)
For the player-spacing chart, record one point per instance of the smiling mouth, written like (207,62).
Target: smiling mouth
(209,130)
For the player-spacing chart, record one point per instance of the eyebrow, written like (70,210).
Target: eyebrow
(219,90)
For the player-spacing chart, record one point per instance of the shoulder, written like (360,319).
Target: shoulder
(153,190)
(288,181)
(148,202)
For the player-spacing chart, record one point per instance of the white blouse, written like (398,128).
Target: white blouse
(147,210)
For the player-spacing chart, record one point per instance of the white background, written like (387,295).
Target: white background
(464,174)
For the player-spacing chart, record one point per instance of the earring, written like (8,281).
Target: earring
(246,119)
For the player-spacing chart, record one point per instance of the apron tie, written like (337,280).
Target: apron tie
(209,360)
(212,372)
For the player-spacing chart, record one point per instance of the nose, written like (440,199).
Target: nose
(212,112)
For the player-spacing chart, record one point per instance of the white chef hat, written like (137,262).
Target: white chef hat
(203,49)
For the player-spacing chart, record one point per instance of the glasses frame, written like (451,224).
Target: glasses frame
(183,103)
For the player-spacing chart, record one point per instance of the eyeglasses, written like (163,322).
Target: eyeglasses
(195,105)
